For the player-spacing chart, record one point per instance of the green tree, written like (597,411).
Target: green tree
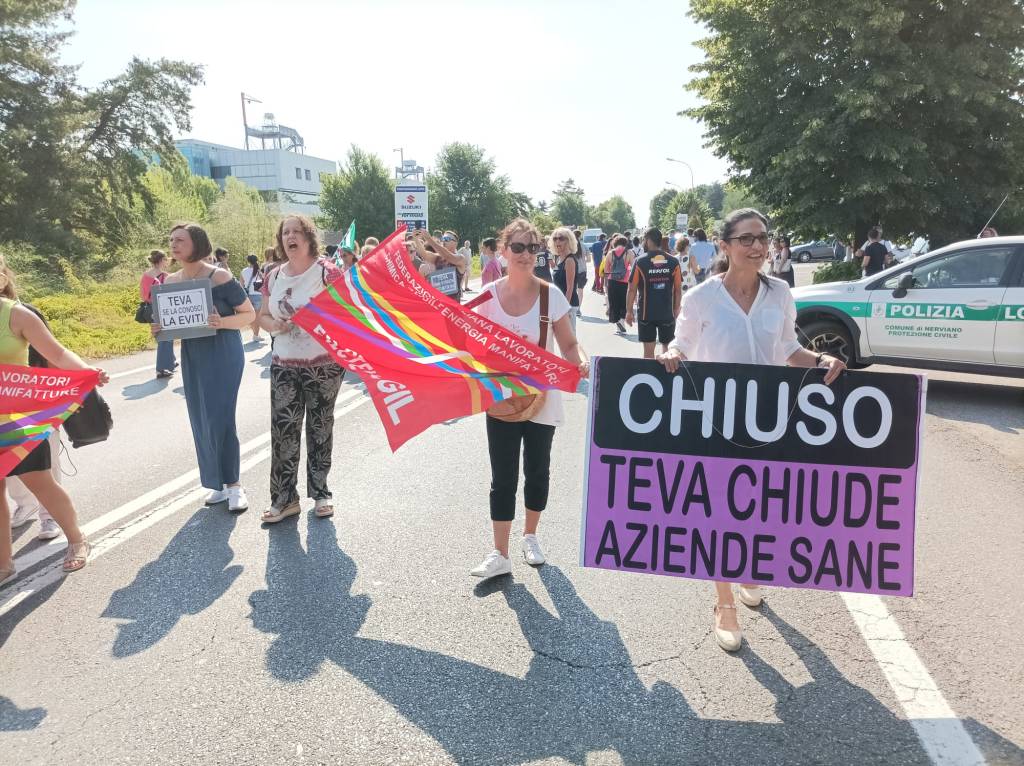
(73,160)
(714,195)
(241,222)
(691,203)
(739,196)
(465,194)
(545,222)
(612,215)
(362,191)
(659,203)
(904,112)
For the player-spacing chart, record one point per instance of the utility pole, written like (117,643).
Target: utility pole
(400,170)
(245,120)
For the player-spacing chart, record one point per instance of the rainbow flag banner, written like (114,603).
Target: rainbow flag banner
(424,357)
(34,401)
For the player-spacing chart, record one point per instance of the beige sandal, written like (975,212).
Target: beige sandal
(324,508)
(274,514)
(76,556)
(7,575)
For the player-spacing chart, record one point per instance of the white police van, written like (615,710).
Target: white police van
(957,308)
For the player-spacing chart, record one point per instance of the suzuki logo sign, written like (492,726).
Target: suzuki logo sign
(410,199)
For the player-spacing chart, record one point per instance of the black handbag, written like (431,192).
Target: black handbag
(144,313)
(91,423)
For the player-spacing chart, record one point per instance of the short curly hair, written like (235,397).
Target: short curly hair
(308,228)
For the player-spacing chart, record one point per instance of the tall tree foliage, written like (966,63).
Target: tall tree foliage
(241,222)
(466,194)
(568,204)
(842,115)
(362,191)
(73,160)
(612,215)
(659,203)
(691,203)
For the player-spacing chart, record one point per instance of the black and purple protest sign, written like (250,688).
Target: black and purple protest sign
(750,473)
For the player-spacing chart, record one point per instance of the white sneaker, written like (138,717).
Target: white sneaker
(49,530)
(237,501)
(495,564)
(532,551)
(217,496)
(22,515)
(751,596)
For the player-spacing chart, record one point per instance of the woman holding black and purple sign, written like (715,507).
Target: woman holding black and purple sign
(741,316)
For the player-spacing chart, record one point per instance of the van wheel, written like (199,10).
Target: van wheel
(825,337)
(805,257)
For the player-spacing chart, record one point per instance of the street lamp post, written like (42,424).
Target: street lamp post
(692,185)
(401,162)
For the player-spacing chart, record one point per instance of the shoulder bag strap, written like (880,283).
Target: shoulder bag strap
(545,320)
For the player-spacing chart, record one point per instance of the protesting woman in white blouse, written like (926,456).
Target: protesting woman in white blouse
(742,317)
(304,379)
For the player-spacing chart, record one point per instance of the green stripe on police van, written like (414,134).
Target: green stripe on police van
(902,310)
(853,308)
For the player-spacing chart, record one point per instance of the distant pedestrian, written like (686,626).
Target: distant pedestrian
(987,232)
(656,282)
(617,265)
(466,251)
(687,263)
(703,251)
(495,264)
(223,259)
(872,255)
(166,364)
(596,256)
(566,270)
(542,264)
(782,264)
(252,281)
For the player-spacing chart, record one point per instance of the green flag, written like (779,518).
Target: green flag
(349,241)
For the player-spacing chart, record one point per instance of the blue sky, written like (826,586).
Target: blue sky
(550,89)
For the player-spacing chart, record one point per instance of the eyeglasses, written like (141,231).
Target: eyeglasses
(747,240)
(560,238)
(519,247)
(446,238)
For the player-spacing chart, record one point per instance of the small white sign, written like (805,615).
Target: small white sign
(682,219)
(446,280)
(182,309)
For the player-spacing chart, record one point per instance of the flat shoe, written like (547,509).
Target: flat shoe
(323,509)
(275,515)
(751,597)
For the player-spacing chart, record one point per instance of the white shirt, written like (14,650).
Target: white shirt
(527,326)
(711,326)
(252,289)
(297,348)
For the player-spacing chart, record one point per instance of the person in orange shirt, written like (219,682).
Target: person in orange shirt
(657,280)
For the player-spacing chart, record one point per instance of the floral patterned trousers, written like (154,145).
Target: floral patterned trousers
(297,393)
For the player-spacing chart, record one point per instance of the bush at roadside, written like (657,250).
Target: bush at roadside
(97,322)
(839,271)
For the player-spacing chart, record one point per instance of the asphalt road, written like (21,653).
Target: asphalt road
(200,637)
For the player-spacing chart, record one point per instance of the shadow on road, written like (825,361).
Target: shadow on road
(581,693)
(191,573)
(142,390)
(998,406)
(13,718)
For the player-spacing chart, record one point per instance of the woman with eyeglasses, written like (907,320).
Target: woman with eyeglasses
(741,316)
(567,266)
(515,303)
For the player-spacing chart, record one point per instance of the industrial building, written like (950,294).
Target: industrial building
(282,172)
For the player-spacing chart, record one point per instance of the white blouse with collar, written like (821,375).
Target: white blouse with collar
(711,327)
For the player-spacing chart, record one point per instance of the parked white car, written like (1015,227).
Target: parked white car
(958,308)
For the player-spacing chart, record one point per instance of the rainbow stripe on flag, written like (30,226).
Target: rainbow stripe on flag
(35,401)
(422,351)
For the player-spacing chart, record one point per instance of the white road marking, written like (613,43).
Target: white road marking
(941,733)
(126,373)
(53,547)
(51,574)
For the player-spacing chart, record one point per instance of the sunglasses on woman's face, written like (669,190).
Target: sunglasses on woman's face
(446,238)
(518,247)
(560,238)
